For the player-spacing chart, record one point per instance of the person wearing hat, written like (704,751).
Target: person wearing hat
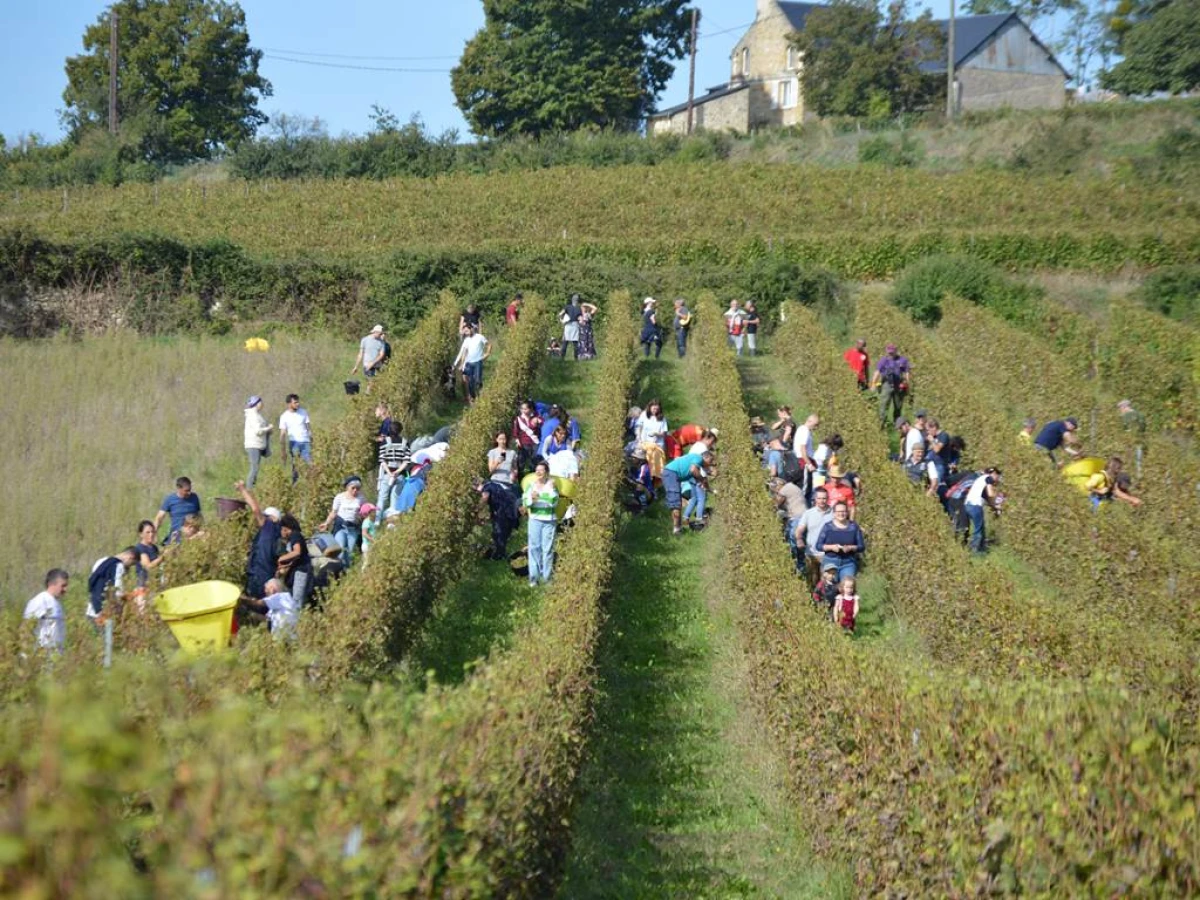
(651,333)
(1059,434)
(257,437)
(839,490)
(893,378)
(683,325)
(859,362)
(372,354)
(1131,419)
(263,560)
(345,518)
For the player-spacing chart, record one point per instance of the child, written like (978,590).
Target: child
(370,528)
(826,591)
(283,615)
(1025,436)
(845,607)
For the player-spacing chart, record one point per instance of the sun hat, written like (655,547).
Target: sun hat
(649,301)
(253,401)
(367,508)
(829,567)
(835,471)
(378,329)
(272,512)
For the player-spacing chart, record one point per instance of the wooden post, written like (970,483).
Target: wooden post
(66,203)
(691,106)
(951,105)
(112,72)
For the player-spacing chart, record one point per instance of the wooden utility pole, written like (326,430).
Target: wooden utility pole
(112,72)
(692,71)
(950,91)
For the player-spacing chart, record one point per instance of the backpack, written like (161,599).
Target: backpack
(790,469)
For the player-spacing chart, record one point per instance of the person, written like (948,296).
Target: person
(1025,435)
(893,379)
(937,441)
(556,442)
(372,353)
(752,322)
(540,500)
(651,334)
(687,468)
(1106,485)
(370,526)
(981,492)
(263,559)
(526,432)
(411,489)
(502,461)
(1059,435)
(393,460)
(842,541)
(802,446)
(46,611)
(859,362)
(825,456)
(922,471)
(474,350)
(682,323)
(910,438)
(390,431)
(773,458)
(808,529)
(570,316)
(840,489)
(193,527)
(280,607)
(295,430)
(705,442)
(470,321)
(735,325)
(294,565)
(790,498)
(1131,419)
(108,573)
(845,607)
(345,517)
(512,312)
(587,334)
(651,436)
(257,437)
(502,504)
(825,592)
(148,555)
(784,425)
(178,505)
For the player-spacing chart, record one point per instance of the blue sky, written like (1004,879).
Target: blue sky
(38,35)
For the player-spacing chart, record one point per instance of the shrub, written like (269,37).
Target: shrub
(921,288)
(905,153)
(775,278)
(1173,291)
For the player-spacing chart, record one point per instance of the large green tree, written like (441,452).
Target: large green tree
(860,61)
(187,81)
(1161,46)
(560,65)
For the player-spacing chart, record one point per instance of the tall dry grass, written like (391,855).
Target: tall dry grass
(93,433)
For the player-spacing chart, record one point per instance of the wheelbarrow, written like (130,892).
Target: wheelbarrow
(200,615)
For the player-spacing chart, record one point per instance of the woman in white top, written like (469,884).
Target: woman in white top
(257,433)
(345,518)
(651,430)
(502,462)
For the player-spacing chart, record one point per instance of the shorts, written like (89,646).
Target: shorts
(673,489)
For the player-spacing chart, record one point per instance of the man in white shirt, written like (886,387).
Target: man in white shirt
(280,608)
(802,446)
(809,528)
(295,430)
(46,611)
(912,438)
(372,353)
(474,350)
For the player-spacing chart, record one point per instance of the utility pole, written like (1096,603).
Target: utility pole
(112,72)
(950,92)
(692,71)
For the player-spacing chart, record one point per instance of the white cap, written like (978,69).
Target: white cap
(377,328)
(272,513)
(648,301)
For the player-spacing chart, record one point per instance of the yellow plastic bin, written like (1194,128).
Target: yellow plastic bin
(200,615)
(1078,472)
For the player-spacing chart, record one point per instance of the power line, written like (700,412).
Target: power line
(331,65)
(354,55)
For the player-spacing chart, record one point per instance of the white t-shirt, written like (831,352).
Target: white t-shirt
(699,448)
(432,453)
(296,424)
(975,491)
(802,445)
(821,457)
(346,507)
(51,629)
(472,348)
(563,464)
(651,430)
(282,613)
(914,438)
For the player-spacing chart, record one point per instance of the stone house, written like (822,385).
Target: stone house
(998,62)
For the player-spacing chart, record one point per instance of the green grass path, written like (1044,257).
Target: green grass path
(682,795)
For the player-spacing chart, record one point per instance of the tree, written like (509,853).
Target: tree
(1029,10)
(187,80)
(560,65)
(1161,50)
(857,63)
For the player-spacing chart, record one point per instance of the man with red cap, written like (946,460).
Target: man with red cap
(859,362)
(894,380)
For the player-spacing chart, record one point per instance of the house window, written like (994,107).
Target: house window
(746,62)
(793,59)
(785,93)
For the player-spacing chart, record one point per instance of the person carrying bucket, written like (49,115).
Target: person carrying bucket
(263,560)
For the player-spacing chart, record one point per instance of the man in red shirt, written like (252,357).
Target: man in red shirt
(512,312)
(839,491)
(859,362)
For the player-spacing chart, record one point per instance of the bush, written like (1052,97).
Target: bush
(905,153)
(1173,291)
(774,279)
(923,286)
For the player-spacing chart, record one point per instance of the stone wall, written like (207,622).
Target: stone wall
(728,113)
(992,89)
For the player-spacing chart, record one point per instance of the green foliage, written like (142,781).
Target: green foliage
(1173,291)
(860,62)
(1055,147)
(922,287)
(774,279)
(540,66)
(1160,50)
(188,82)
(905,153)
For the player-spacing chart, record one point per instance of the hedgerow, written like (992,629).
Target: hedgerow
(967,614)
(1156,361)
(935,783)
(1091,553)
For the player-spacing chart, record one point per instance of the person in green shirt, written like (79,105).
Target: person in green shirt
(540,501)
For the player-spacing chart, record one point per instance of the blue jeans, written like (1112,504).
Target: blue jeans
(255,457)
(474,375)
(847,565)
(347,537)
(302,449)
(385,487)
(975,514)
(541,549)
(681,342)
(696,503)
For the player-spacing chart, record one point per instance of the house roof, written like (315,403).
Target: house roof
(797,13)
(714,93)
(971,33)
